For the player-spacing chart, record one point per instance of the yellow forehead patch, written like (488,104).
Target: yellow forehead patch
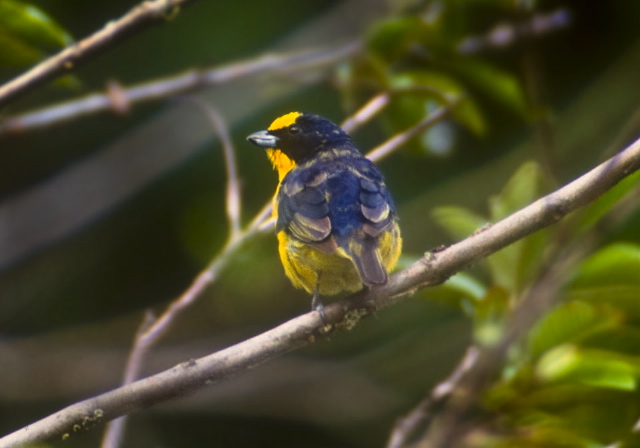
(284,121)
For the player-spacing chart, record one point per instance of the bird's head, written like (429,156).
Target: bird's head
(293,138)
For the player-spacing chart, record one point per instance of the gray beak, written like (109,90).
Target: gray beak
(263,139)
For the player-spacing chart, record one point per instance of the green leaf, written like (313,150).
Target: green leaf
(593,212)
(416,38)
(584,410)
(547,433)
(501,86)
(391,40)
(32,25)
(416,94)
(622,339)
(489,316)
(504,267)
(461,290)
(589,367)
(614,265)
(444,89)
(468,113)
(524,187)
(466,285)
(532,256)
(625,299)
(27,33)
(568,323)
(15,51)
(457,221)
(513,266)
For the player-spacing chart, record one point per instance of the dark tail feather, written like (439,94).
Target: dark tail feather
(369,265)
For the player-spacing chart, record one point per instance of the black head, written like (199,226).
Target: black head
(300,136)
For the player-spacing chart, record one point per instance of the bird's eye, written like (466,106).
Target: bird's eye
(294,129)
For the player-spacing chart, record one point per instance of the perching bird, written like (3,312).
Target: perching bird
(336,225)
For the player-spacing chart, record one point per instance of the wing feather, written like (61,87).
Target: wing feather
(345,206)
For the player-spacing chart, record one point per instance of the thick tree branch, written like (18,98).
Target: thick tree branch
(143,14)
(432,269)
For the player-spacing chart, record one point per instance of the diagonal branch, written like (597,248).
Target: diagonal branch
(152,329)
(403,138)
(233,197)
(119,99)
(432,269)
(538,299)
(373,107)
(143,14)
(406,427)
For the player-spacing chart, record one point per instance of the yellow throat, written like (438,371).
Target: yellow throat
(278,159)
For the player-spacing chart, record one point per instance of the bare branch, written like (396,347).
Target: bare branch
(402,138)
(233,202)
(143,14)
(505,35)
(372,108)
(407,426)
(452,425)
(115,429)
(152,329)
(157,328)
(432,269)
(120,99)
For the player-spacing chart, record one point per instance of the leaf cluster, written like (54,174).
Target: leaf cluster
(573,381)
(419,59)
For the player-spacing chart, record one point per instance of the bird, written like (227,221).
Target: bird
(336,223)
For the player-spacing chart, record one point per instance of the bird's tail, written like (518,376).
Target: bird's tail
(365,255)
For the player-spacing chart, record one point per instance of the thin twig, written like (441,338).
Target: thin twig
(372,108)
(154,329)
(68,59)
(233,197)
(432,269)
(505,35)
(402,138)
(121,99)
(147,339)
(534,86)
(407,426)
(452,423)
(114,430)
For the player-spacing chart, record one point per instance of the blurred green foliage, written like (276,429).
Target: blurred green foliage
(551,388)
(417,59)
(27,35)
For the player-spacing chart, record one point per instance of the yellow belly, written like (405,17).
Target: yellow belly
(333,273)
